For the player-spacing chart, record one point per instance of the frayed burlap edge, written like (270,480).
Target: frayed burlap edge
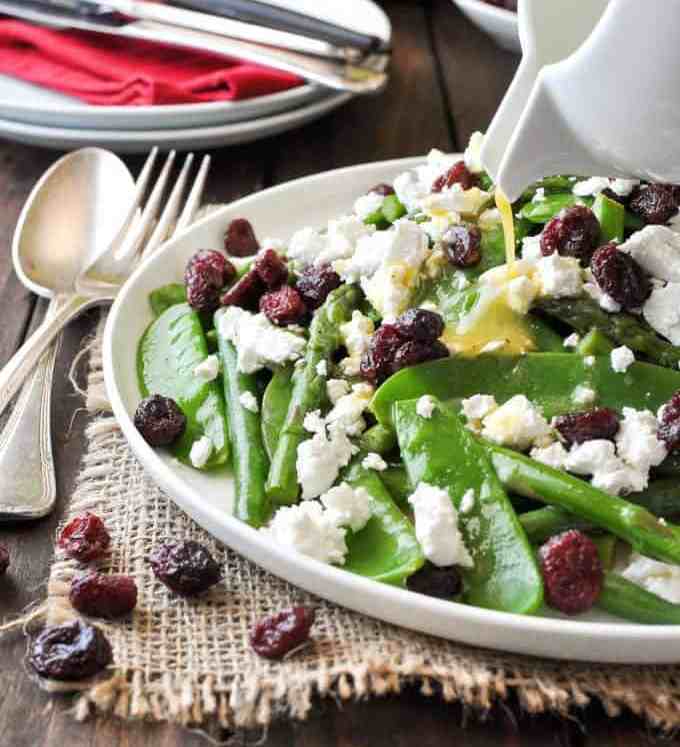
(256,692)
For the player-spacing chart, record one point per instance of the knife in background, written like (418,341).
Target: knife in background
(341,68)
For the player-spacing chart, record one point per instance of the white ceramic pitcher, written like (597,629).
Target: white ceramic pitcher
(597,94)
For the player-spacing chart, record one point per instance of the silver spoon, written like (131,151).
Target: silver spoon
(74,213)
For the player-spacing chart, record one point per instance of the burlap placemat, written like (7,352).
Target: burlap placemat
(189,662)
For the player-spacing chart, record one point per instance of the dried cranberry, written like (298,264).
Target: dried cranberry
(72,651)
(240,239)
(315,283)
(159,420)
(84,538)
(99,595)
(462,245)
(572,572)
(577,427)
(620,276)
(382,189)
(186,568)
(433,581)
(457,174)
(274,636)
(246,292)
(669,428)
(207,272)
(271,268)
(654,203)
(283,306)
(420,324)
(4,560)
(413,352)
(378,361)
(573,232)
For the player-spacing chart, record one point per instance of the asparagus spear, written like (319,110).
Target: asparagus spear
(583,314)
(309,390)
(634,524)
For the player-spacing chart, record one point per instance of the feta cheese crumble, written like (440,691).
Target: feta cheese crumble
(467,502)
(258,342)
(320,459)
(336,388)
(249,401)
(604,300)
(622,358)
(476,408)
(347,506)
(348,410)
(437,528)
(572,341)
(554,456)
(356,336)
(425,406)
(367,204)
(531,247)
(200,453)
(657,250)
(583,395)
(208,369)
(559,276)
(637,442)
(473,153)
(592,186)
(374,461)
(662,311)
(662,579)
(517,423)
(322,368)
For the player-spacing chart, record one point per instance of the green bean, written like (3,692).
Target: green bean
(606,548)
(166,296)
(611,216)
(309,390)
(624,329)
(628,600)
(275,403)
(632,523)
(504,574)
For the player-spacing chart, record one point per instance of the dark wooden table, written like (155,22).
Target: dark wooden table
(447,81)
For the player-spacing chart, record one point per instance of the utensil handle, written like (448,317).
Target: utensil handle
(26,358)
(28,485)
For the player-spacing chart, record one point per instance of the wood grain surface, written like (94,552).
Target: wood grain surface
(447,80)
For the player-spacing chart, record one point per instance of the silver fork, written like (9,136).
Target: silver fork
(27,479)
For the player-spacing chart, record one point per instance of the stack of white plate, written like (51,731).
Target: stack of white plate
(34,115)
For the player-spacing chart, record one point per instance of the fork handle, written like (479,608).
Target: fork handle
(26,358)
(28,483)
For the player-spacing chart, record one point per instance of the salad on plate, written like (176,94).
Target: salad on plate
(439,390)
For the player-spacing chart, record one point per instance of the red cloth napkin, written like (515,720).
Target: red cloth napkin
(109,70)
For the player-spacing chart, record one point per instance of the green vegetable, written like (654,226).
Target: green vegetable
(595,343)
(545,522)
(628,600)
(399,486)
(545,210)
(624,329)
(386,549)
(379,439)
(392,209)
(250,460)
(275,403)
(309,390)
(166,296)
(211,340)
(548,379)
(504,575)
(611,216)
(632,523)
(172,346)
(606,549)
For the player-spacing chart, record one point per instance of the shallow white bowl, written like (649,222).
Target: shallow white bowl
(207,498)
(499,23)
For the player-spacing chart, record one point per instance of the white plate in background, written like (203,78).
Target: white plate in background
(499,23)
(207,498)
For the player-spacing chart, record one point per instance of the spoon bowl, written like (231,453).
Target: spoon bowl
(73,215)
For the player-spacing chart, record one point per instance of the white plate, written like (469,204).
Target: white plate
(196,138)
(207,498)
(499,23)
(32,104)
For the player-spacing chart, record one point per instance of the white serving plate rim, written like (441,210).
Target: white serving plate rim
(548,637)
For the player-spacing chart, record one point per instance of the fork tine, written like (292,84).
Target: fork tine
(136,235)
(171,209)
(194,199)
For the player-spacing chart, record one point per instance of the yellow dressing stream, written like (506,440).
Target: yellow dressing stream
(505,209)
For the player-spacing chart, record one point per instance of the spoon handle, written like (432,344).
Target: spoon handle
(26,358)
(28,486)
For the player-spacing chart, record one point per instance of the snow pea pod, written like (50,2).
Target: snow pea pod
(309,390)
(548,379)
(378,439)
(166,296)
(442,452)
(595,343)
(611,216)
(545,210)
(390,210)
(275,403)
(628,521)
(386,549)
(625,599)
(395,479)
(172,346)
(624,329)
(250,461)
